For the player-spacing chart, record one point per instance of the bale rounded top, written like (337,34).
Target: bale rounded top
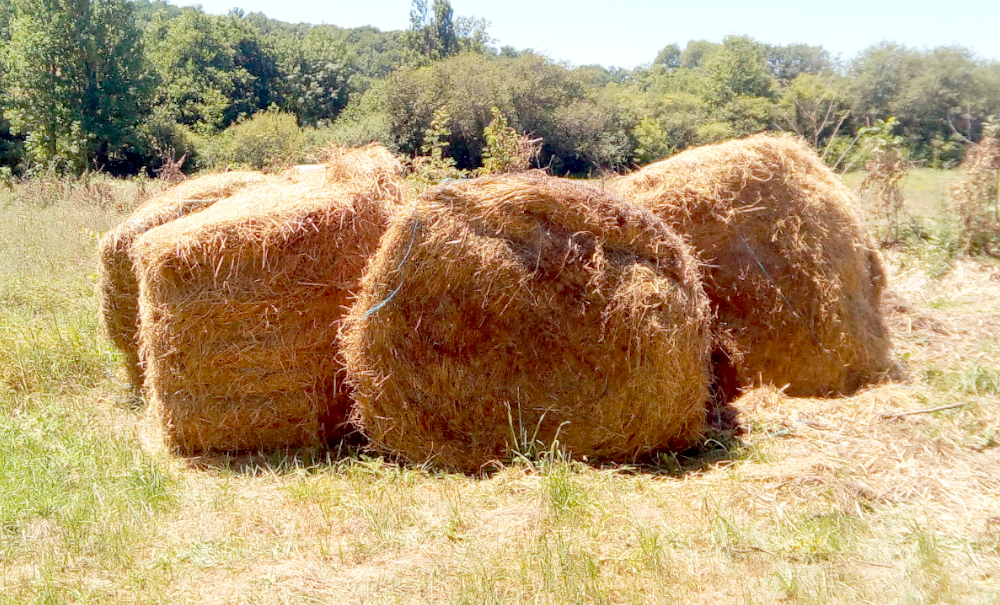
(735,178)
(794,277)
(278,210)
(512,206)
(191,195)
(370,167)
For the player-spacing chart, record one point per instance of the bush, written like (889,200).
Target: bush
(165,139)
(270,139)
(582,128)
(358,125)
(714,132)
(652,141)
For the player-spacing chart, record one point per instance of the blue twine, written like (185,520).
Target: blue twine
(413,237)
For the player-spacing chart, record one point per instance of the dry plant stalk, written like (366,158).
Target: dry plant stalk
(240,305)
(171,171)
(977,198)
(794,278)
(886,169)
(507,312)
(117,288)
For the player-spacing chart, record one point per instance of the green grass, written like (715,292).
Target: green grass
(78,496)
(925,190)
(48,324)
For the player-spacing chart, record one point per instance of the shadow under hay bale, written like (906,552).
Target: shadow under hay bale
(504,313)
(240,306)
(118,290)
(793,276)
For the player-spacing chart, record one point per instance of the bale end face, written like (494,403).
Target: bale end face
(240,307)
(505,312)
(117,289)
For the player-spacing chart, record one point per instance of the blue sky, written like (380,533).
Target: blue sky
(627,34)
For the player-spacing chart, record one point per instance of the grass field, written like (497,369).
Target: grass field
(851,500)
(926,190)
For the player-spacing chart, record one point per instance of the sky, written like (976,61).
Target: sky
(628,34)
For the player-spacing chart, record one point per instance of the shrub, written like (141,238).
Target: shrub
(652,141)
(270,139)
(361,123)
(886,167)
(434,166)
(506,150)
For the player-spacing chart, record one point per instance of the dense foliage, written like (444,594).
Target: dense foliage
(124,85)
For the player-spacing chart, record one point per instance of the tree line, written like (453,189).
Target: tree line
(127,85)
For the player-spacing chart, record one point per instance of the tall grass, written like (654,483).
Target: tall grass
(76,493)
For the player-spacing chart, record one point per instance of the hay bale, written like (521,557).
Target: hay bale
(794,278)
(510,310)
(373,163)
(117,288)
(240,306)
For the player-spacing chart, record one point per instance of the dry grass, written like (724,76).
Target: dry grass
(820,501)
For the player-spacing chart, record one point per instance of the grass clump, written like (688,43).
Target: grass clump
(67,489)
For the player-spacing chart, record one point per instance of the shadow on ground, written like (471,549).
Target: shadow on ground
(721,443)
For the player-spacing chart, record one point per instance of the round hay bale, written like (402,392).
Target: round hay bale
(506,312)
(794,278)
(240,306)
(117,289)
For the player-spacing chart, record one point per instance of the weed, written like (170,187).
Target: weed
(822,536)
(932,565)
(977,199)
(563,495)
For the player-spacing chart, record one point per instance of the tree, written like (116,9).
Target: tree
(119,85)
(814,107)
(257,83)
(446,40)
(738,69)
(582,127)
(878,75)
(787,62)
(43,80)
(739,89)
(315,68)
(213,70)
(669,57)
(74,80)
(432,30)
(696,53)
(943,97)
(472,34)
(194,66)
